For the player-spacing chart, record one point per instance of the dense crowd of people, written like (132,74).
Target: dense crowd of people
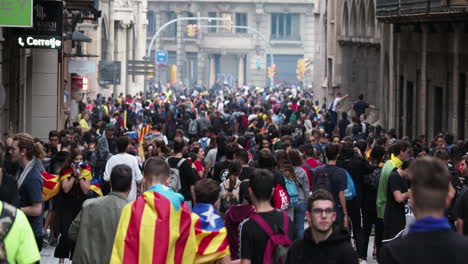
(232,176)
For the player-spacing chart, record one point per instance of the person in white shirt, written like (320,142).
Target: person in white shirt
(123,157)
(334,105)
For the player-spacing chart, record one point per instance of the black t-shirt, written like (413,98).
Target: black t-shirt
(221,171)
(394,211)
(246,172)
(463,211)
(187,177)
(360,107)
(9,190)
(253,239)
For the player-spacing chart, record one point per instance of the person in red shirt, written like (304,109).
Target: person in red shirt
(200,154)
(310,161)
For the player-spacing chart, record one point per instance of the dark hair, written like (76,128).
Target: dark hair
(332,151)
(234,172)
(284,165)
(207,191)
(242,155)
(122,144)
(121,178)
(156,167)
(295,157)
(442,153)
(262,184)
(377,154)
(319,195)
(399,146)
(430,180)
(266,160)
(53,133)
(231,149)
(178,145)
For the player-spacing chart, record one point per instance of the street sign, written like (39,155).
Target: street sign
(109,72)
(135,67)
(17,13)
(47,29)
(162,56)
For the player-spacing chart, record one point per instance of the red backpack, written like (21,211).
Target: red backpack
(280,198)
(278,245)
(244,122)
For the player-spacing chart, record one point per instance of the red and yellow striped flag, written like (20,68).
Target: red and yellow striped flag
(141,135)
(151,230)
(51,186)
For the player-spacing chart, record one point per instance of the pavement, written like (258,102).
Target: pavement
(47,255)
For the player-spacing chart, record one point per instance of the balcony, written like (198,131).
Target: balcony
(407,11)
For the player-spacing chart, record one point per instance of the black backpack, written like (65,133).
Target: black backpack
(7,219)
(322,179)
(371,180)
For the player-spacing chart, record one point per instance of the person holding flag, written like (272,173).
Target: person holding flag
(158,226)
(212,226)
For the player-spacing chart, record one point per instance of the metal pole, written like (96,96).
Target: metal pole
(148,53)
(272,61)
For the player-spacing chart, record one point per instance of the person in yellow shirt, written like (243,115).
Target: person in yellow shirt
(19,244)
(84,122)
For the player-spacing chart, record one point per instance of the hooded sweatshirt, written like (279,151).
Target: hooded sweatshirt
(335,249)
(234,216)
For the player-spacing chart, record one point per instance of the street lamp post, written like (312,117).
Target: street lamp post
(150,47)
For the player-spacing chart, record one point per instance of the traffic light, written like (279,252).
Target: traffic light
(272,71)
(306,65)
(192,30)
(173,74)
(300,69)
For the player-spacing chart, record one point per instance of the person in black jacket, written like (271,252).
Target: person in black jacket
(323,242)
(430,238)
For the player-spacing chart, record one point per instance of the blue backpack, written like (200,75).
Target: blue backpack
(291,187)
(350,192)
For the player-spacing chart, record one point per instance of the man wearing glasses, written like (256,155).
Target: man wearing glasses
(324,241)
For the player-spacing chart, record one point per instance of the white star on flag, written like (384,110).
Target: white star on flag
(211,216)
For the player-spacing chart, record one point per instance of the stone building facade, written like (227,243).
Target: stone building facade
(428,92)
(350,54)
(234,55)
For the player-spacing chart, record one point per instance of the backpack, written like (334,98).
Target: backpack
(350,192)
(204,142)
(193,127)
(228,199)
(291,187)
(244,123)
(322,179)
(174,175)
(277,247)
(7,218)
(372,180)
(280,198)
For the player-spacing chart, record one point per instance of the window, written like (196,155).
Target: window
(241,20)
(171,30)
(151,23)
(285,26)
(212,22)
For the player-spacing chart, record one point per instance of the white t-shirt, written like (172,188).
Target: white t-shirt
(335,103)
(132,162)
